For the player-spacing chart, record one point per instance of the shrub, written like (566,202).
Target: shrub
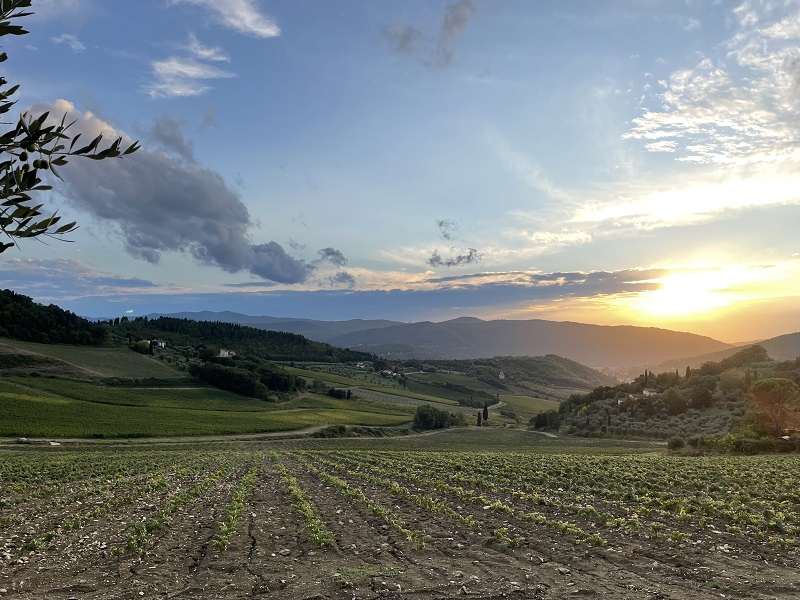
(675,443)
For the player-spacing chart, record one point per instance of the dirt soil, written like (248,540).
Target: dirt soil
(273,557)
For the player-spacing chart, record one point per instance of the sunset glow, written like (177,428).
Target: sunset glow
(604,162)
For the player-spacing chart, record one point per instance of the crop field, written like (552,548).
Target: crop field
(266,521)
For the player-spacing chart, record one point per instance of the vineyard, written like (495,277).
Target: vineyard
(279,521)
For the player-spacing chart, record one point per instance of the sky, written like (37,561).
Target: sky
(601,161)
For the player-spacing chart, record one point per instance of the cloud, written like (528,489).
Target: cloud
(447,229)
(739,108)
(342,278)
(332,256)
(59,279)
(457,16)
(71,41)
(242,16)
(471,255)
(159,203)
(549,239)
(560,284)
(433,50)
(654,204)
(448,297)
(168,132)
(181,77)
(198,50)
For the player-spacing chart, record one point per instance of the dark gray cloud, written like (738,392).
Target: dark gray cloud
(447,229)
(159,202)
(168,132)
(435,49)
(332,256)
(403,37)
(456,19)
(342,278)
(469,256)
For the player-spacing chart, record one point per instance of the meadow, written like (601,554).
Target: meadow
(43,407)
(116,361)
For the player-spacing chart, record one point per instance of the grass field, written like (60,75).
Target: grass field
(527,407)
(63,407)
(101,362)
(42,407)
(383,385)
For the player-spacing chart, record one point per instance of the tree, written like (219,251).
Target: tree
(485,412)
(34,146)
(776,402)
(430,417)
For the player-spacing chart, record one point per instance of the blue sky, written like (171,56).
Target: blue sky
(613,162)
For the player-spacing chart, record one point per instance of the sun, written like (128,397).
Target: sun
(698,294)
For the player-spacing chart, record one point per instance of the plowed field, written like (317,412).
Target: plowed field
(251,523)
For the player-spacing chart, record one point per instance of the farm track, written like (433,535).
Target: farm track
(419,526)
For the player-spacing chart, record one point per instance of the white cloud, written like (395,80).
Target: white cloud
(239,15)
(549,239)
(70,40)
(199,50)
(738,109)
(651,205)
(181,77)
(662,146)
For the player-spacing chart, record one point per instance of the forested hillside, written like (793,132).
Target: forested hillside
(709,400)
(23,319)
(272,345)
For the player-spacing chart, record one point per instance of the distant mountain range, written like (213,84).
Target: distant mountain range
(469,337)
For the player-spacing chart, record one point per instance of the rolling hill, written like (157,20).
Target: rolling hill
(469,337)
(594,345)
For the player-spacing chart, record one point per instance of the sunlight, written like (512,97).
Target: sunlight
(686,294)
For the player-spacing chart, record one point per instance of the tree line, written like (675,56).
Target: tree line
(23,319)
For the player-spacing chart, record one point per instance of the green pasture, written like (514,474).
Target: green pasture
(458,379)
(119,361)
(416,384)
(84,410)
(526,406)
(386,388)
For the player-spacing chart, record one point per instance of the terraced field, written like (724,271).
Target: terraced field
(268,521)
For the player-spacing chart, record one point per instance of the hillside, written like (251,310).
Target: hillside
(782,347)
(271,345)
(709,400)
(594,345)
(320,331)
(528,372)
